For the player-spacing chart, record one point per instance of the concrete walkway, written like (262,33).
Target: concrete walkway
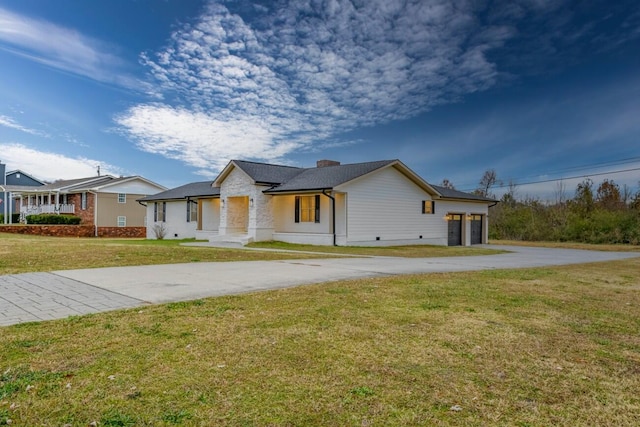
(44,296)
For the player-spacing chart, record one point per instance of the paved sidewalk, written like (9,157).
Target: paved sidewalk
(44,296)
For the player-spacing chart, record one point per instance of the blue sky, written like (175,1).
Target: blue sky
(173,89)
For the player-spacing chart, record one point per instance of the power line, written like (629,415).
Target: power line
(564,178)
(572,168)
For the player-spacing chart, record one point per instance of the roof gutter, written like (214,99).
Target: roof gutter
(333,214)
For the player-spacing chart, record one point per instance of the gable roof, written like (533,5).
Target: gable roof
(71,184)
(328,177)
(260,173)
(95,183)
(18,171)
(288,179)
(448,193)
(193,189)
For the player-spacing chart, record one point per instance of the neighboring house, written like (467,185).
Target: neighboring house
(183,212)
(372,203)
(12,180)
(103,201)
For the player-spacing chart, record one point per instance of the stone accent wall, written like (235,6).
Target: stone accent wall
(74,230)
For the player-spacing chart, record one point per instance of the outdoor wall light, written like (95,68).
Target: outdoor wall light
(251,202)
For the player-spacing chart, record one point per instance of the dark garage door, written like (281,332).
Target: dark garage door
(455,230)
(476,229)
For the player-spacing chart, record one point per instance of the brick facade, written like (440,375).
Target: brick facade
(87,215)
(74,231)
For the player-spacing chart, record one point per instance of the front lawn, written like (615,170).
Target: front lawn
(530,347)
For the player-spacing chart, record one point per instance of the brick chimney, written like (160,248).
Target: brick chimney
(325,163)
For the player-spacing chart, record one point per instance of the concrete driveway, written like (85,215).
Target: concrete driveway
(44,296)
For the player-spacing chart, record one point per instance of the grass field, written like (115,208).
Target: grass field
(23,254)
(533,347)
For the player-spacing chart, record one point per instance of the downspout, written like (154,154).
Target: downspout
(333,215)
(95,212)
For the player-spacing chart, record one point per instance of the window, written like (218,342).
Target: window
(159,211)
(83,201)
(428,207)
(307,208)
(192,211)
(122,198)
(122,221)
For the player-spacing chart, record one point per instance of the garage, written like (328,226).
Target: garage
(455,229)
(476,229)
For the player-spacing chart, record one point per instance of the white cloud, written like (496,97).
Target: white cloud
(294,75)
(260,82)
(11,123)
(51,166)
(61,48)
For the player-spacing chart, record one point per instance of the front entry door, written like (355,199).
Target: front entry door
(455,230)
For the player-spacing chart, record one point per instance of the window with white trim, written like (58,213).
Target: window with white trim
(307,208)
(83,201)
(122,198)
(122,221)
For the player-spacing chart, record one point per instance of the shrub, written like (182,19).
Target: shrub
(53,219)
(15,218)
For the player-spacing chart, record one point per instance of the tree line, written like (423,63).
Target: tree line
(602,213)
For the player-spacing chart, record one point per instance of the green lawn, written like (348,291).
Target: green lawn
(536,347)
(22,254)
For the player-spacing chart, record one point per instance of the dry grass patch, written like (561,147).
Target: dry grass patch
(550,346)
(571,245)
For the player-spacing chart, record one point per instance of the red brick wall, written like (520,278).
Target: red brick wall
(74,230)
(122,232)
(50,230)
(86,215)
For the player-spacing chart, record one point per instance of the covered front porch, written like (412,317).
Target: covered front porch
(52,203)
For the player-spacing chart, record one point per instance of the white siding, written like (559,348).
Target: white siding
(175,224)
(135,186)
(284,216)
(466,208)
(388,206)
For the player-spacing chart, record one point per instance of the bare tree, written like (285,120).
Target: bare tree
(447,184)
(559,193)
(488,180)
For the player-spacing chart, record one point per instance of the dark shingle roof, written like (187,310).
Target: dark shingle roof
(69,184)
(193,189)
(328,177)
(449,193)
(263,173)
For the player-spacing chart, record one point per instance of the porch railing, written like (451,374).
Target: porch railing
(48,209)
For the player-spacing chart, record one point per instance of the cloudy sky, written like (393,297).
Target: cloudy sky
(539,90)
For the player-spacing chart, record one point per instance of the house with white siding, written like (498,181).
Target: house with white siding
(363,204)
(183,212)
